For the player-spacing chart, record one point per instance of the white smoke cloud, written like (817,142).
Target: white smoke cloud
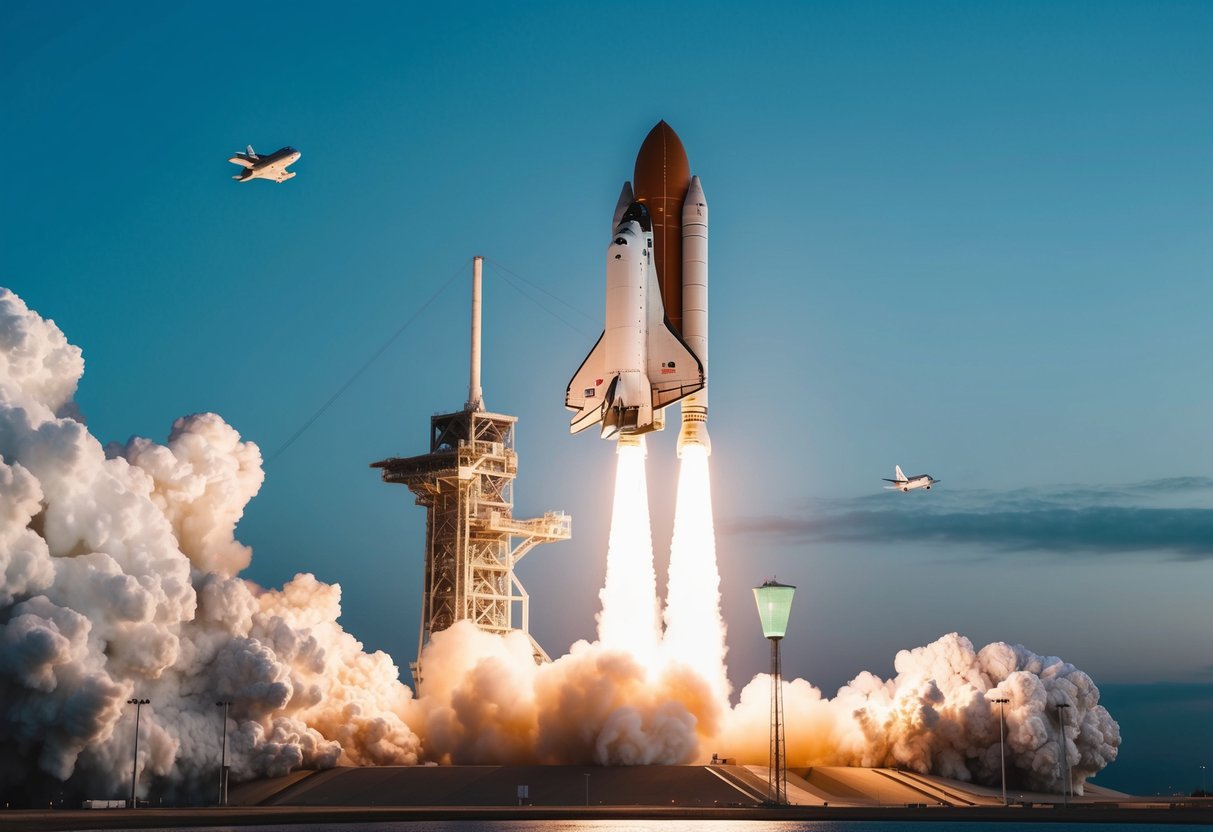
(484,700)
(119,578)
(936,716)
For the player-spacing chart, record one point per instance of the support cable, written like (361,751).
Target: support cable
(366,364)
(509,273)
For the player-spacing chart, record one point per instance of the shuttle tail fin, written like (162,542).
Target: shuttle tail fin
(897,472)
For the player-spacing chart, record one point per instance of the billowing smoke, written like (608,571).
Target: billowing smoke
(119,578)
(119,573)
(937,716)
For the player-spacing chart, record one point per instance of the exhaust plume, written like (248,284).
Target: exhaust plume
(120,578)
(694,629)
(628,620)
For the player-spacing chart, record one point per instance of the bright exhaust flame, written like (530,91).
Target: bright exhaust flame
(694,630)
(628,620)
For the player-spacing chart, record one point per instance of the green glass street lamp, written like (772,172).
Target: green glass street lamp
(774,606)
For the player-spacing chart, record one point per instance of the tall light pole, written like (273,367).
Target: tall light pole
(1203,793)
(1002,745)
(225,704)
(138,703)
(1065,763)
(774,605)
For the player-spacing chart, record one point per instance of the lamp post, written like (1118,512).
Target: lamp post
(1002,745)
(1065,763)
(138,703)
(225,704)
(1203,792)
(774,605)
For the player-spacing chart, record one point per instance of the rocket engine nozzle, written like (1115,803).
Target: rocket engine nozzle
(617,415)
(694,430)
(631,440)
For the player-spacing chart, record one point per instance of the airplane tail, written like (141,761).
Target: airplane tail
(252,153)
(897,473)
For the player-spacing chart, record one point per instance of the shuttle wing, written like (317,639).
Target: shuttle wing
(586,392)
(238,159)
(674,370)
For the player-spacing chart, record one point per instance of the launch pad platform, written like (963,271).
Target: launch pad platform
(633,793)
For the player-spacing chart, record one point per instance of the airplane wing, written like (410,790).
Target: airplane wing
(238,159)
(585,393)
(283,175)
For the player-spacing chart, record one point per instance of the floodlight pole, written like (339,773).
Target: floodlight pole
(1065,786)
(138,703)
(778,792)
(225,704)
(1002,745)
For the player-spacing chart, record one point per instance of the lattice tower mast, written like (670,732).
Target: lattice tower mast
(472,540)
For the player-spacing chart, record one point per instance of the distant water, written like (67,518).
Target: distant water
(701,826)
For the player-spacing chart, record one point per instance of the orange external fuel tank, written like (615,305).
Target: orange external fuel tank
(661,179)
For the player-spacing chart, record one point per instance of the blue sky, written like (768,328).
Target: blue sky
(971,239)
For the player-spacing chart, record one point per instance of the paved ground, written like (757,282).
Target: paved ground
(717,792)
(55,821)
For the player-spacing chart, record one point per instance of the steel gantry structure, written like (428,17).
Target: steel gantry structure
(472,540)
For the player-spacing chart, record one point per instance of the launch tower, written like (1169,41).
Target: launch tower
(472,540)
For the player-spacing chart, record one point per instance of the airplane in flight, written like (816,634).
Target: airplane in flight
(904,483)
(274,166)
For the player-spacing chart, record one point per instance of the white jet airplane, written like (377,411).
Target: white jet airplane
(904,483)
(274,166)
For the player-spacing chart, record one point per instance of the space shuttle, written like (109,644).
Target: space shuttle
(653,348)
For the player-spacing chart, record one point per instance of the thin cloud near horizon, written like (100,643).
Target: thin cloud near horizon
(1072,519)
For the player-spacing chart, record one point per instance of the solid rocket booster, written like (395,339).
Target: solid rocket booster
(694,430)
(653,349)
